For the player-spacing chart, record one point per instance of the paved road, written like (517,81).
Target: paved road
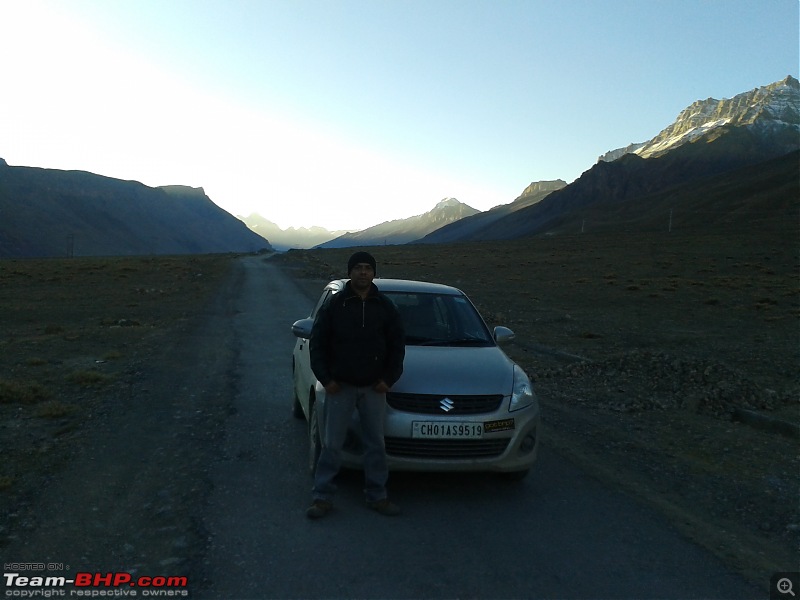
(558,534)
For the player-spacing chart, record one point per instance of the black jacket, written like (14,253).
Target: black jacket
(357,341)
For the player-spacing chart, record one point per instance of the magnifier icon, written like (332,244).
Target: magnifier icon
(784,586)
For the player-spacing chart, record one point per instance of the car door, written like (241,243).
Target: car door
(304,376)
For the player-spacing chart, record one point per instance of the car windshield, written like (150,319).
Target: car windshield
(440,320)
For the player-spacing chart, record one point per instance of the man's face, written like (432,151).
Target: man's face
(361,276)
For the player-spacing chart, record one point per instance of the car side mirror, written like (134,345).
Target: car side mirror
(503,334)
(302,328)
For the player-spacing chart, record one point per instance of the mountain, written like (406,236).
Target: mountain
(48,212)
(402,231)
(620,152)
(709,139)
(764,195)
(771,111)
(286,239)
(470,225)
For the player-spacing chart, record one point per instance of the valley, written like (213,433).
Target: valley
(644,350)
(655,304)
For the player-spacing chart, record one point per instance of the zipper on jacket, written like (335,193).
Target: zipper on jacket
(363,311)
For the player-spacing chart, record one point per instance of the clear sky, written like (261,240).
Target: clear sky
(348,113)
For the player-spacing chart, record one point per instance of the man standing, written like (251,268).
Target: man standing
(357,348)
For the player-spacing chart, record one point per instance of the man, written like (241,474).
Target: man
(357,348)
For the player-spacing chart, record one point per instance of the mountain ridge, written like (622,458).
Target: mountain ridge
(50,212)
(628,181)
(774,105)
(534,193)
(290,238)
(402,231)
(47,212)
(759,126)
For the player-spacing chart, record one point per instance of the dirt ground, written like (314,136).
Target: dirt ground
(89,398)
(666,366)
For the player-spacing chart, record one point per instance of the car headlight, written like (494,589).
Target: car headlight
(522,395)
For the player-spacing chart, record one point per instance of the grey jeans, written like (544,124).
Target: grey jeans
(334,421)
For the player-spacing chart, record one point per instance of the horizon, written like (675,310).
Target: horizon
(350,114)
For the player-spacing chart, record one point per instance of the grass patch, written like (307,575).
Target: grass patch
(89,378)
(13,391)
(53,409)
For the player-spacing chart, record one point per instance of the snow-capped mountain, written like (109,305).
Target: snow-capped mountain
(620,152)
(722,161)
(767,110)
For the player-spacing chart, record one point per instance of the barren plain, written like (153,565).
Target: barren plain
(666,364)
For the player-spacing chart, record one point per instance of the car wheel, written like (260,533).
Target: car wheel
(297,408)
(314,442)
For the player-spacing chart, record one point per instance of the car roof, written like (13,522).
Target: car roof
(405,285)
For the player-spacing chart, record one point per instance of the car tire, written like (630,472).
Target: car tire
(314,441)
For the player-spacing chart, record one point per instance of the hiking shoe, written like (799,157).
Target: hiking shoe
(384,507)
(318,509)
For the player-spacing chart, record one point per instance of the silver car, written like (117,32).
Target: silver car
(461,403)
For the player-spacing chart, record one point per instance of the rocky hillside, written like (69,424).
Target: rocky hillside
(48,212)
(464,228)
(678,190)
(771,111)
(709,140)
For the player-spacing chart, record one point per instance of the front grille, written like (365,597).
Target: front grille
(429,404)
(445,449)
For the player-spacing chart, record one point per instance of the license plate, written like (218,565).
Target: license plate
(447,431)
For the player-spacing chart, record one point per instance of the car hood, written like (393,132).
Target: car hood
(455,371)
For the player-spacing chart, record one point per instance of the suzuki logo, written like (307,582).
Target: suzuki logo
(446,404)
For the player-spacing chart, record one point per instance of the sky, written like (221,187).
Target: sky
(348,113)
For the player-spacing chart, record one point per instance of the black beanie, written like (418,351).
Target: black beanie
(361,257)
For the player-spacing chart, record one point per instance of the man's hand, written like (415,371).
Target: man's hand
(332,387)
(381,387)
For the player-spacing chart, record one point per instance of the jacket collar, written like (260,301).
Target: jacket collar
(349,292)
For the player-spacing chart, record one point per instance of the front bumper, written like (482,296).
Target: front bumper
(503,450)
